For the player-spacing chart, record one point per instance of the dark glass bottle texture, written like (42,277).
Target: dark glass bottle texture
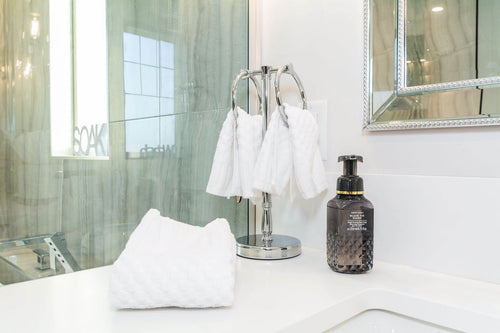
(350,223)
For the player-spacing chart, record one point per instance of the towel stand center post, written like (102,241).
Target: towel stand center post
(267,245)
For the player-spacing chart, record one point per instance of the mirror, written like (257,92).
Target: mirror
(431,63)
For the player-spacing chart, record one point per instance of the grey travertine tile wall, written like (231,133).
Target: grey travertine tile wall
(30,195)
(97,203)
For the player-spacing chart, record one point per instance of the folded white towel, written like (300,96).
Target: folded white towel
(234,160)
(169,263)
(290,157)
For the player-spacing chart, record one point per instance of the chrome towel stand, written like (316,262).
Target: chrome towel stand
(267,245)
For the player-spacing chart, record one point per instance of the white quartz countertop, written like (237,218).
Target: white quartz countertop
(294,295)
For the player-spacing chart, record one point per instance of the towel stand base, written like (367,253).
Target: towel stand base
(280,247)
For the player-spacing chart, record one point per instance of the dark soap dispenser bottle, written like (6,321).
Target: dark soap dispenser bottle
(350,223)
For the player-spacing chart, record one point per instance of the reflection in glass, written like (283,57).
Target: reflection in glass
(35,26)
(383,30)
(451,40)
(172,95)
(149,93)
(448,104)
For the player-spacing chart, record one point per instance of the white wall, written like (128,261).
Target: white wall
(435,191)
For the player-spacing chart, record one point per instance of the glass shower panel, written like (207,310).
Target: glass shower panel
(169,72)
(78,78)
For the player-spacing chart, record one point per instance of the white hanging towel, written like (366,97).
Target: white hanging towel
(169,263)
(290,157)
(273,166)
(235,156)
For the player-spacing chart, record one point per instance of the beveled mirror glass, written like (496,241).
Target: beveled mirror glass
(431,63)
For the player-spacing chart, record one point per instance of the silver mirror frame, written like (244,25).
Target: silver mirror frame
(403,90)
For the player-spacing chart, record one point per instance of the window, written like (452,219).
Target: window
(78,79)
(148,77)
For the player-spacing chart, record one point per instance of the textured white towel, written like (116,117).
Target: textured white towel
(290,157)
(234,160)
(169,263)
(273,167)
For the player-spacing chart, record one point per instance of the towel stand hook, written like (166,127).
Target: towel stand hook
(243,75)
(289,70)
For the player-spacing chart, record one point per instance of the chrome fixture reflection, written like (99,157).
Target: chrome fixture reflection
(27,70)
(28,258)
(35,26)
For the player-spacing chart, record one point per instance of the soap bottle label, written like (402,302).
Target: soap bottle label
(356,221)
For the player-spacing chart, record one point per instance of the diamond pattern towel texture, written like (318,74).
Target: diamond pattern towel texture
(234,160)
(172,264)
(290,159)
